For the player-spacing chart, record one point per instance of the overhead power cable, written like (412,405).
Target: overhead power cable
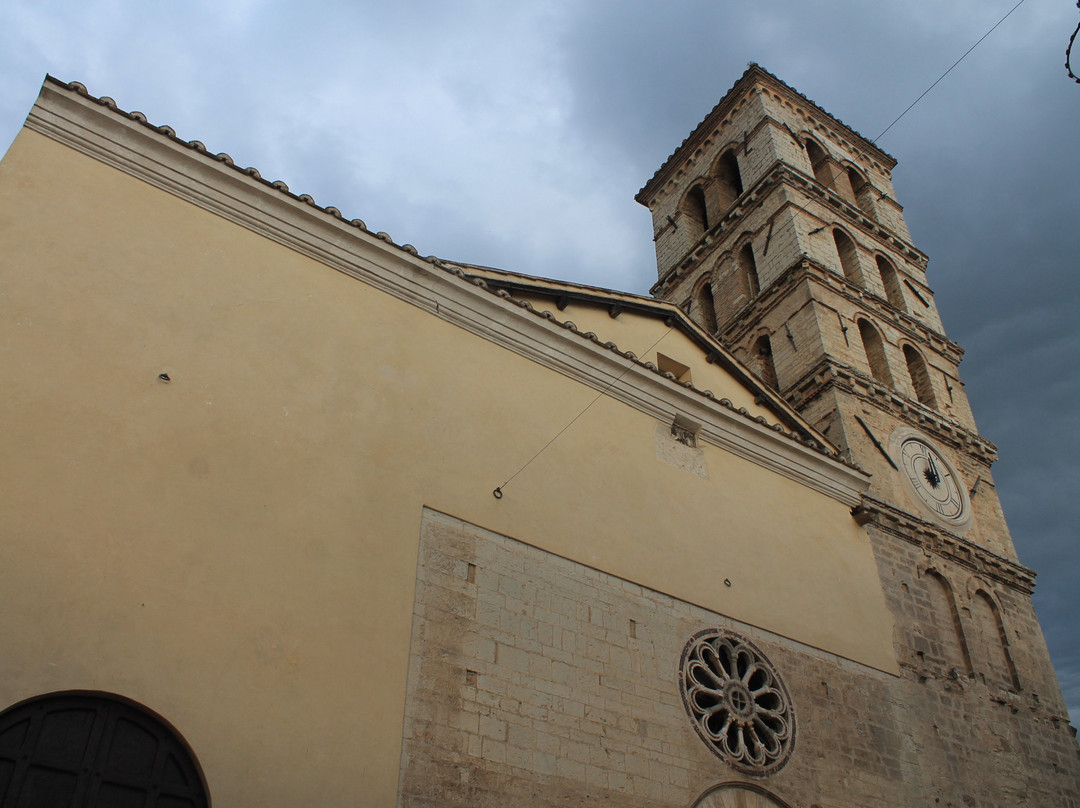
(498,492)
(947,72)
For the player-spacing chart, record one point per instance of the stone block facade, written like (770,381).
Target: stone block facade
(536,680)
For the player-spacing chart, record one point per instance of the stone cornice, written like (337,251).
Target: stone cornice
(747,318)
(675,183)
(737,431)
(562,293)
(755,76)
(126,141)
(828,374)
(883,311)
(935,540)
(716,236)
(853,215)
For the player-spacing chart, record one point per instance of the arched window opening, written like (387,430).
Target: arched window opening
(891,282)
(875,353)
(695,213)
(920,377)
(864,193)
(729,179)
(766,366)
(738,795)
(946,633)
(94,750)
(849,257)
(748,271)
(706,308)
(994,647)
(819,162)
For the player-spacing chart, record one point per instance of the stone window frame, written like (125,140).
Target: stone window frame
(851,265)
(890,282)
(750,278)
(744,704)
(727,176)
(979,587)
(876,354)
(704,301)
(695,209)
(918,369)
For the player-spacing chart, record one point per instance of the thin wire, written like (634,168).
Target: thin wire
(947,72)
(498,491)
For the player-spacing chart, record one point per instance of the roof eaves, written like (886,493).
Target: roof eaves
(715,351)
(808,437)
(800,433)
(221,157)
(554,285)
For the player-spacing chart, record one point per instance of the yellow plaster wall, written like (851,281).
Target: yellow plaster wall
(236,548)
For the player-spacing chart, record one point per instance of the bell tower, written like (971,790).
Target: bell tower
(777,229)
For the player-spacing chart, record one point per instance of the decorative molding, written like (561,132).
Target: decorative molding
(747,318)
(936,541)
(737,702)
(883,311)
(562,292)
(125,141)
(829,374)
(753,78)
(780,173)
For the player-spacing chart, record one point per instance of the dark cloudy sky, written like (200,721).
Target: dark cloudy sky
(515,134)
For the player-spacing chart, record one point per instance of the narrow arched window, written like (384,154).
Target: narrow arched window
(994,655)
(864,193)
(819,162)
(706,307)
(695,213)
(729,179)
(891,282)
(920,377)
(748,277)
(943,625)
(766,366)
(94,750)
(875,352)
(849,257)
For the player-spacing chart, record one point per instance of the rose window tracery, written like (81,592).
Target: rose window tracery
(737,702)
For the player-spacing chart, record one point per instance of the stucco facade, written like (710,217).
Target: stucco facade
(274,479)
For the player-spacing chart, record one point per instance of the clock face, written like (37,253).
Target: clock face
(933,480)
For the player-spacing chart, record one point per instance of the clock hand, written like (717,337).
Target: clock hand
(932,475)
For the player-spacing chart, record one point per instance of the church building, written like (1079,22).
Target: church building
(294,515)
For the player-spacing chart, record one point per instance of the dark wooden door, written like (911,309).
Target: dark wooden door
(86,750)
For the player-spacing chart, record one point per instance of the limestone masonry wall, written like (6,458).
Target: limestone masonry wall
(534,680)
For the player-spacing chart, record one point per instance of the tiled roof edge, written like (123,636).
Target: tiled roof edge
(446,266)
(221,157)
(569,325)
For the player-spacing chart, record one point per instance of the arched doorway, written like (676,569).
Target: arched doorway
(94,750)
(738,795)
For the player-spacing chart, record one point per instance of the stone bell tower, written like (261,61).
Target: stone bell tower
(777,229)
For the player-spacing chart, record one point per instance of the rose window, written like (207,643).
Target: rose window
(738,704)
